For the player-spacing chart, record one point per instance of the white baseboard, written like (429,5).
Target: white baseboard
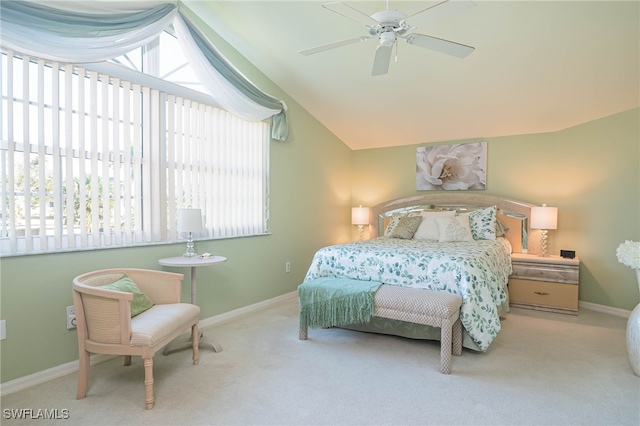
(48,374)
(605,309)
(25,382)
(245,310)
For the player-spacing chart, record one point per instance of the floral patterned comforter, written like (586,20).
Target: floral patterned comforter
(477,271)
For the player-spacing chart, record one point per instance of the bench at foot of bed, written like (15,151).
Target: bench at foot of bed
(426,307)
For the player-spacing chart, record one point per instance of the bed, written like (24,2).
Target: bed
(437,255)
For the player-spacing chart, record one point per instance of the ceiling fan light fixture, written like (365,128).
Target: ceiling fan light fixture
(387,39)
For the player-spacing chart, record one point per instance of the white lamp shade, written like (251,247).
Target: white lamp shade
(189,220)
(544,217)
(360,215)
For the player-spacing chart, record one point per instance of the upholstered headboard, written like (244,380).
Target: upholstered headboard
(515,214)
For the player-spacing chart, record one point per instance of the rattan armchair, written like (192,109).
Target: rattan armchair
(105,325)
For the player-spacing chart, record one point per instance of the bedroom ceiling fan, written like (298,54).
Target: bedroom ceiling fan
(390,25)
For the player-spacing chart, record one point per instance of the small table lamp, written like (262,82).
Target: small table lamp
(360,217)
(544,218)
(189,220)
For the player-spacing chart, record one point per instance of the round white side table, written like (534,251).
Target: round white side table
(193,263)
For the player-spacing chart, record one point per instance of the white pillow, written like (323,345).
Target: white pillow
(428,230)
(454,229)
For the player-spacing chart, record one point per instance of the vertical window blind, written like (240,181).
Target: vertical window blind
(90,160)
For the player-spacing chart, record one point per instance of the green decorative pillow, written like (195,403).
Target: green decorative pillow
(140,302)
(406,227)
(483,223)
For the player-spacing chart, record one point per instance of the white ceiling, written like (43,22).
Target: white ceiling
(539,66)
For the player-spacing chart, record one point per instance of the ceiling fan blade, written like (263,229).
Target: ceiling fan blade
(438,12)
(351,13)
(443,46)
(381,61)
(333,45)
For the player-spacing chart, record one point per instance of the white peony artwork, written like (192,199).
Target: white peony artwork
(451,167)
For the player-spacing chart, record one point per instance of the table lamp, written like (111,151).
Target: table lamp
(544,218)
(360,217)
(189,220)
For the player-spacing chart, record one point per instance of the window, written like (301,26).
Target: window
(90,159)
(162,58)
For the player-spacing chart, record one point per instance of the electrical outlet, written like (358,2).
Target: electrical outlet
(71,317)
(287,267)
(3,329)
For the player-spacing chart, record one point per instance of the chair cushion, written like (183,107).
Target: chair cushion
(153,325)
(140,302)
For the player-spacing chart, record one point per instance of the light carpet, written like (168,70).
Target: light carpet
(543,369)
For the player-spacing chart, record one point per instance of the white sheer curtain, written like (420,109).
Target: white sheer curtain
(213,81)
(30,29)
(82,31)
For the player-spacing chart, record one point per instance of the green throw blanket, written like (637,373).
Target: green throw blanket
(331,301)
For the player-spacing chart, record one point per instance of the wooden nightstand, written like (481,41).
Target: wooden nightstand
(544,283)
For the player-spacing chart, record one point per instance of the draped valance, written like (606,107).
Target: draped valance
(83,32)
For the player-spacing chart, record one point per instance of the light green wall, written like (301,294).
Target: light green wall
(310,204)
(591,172)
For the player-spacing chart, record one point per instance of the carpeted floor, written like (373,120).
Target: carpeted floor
(543,369)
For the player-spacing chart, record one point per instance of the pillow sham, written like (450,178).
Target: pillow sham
(483,223)
(501,228)
(395,219)
(140,302)
(454,229)
(406,227)
(428,230)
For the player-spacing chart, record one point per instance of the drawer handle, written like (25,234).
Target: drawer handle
(541,293)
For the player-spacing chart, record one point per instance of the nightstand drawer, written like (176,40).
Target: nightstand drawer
(543,294)
(545,272)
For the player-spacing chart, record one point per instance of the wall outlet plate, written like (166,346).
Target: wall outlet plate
(3,329)
(71,318)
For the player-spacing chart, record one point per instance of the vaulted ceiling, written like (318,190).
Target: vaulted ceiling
(538,66)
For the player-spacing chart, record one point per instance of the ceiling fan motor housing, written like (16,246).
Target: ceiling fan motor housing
(389,18)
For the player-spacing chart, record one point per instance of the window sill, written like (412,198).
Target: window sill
(138,245)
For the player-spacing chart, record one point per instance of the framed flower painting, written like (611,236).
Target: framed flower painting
(452,167)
